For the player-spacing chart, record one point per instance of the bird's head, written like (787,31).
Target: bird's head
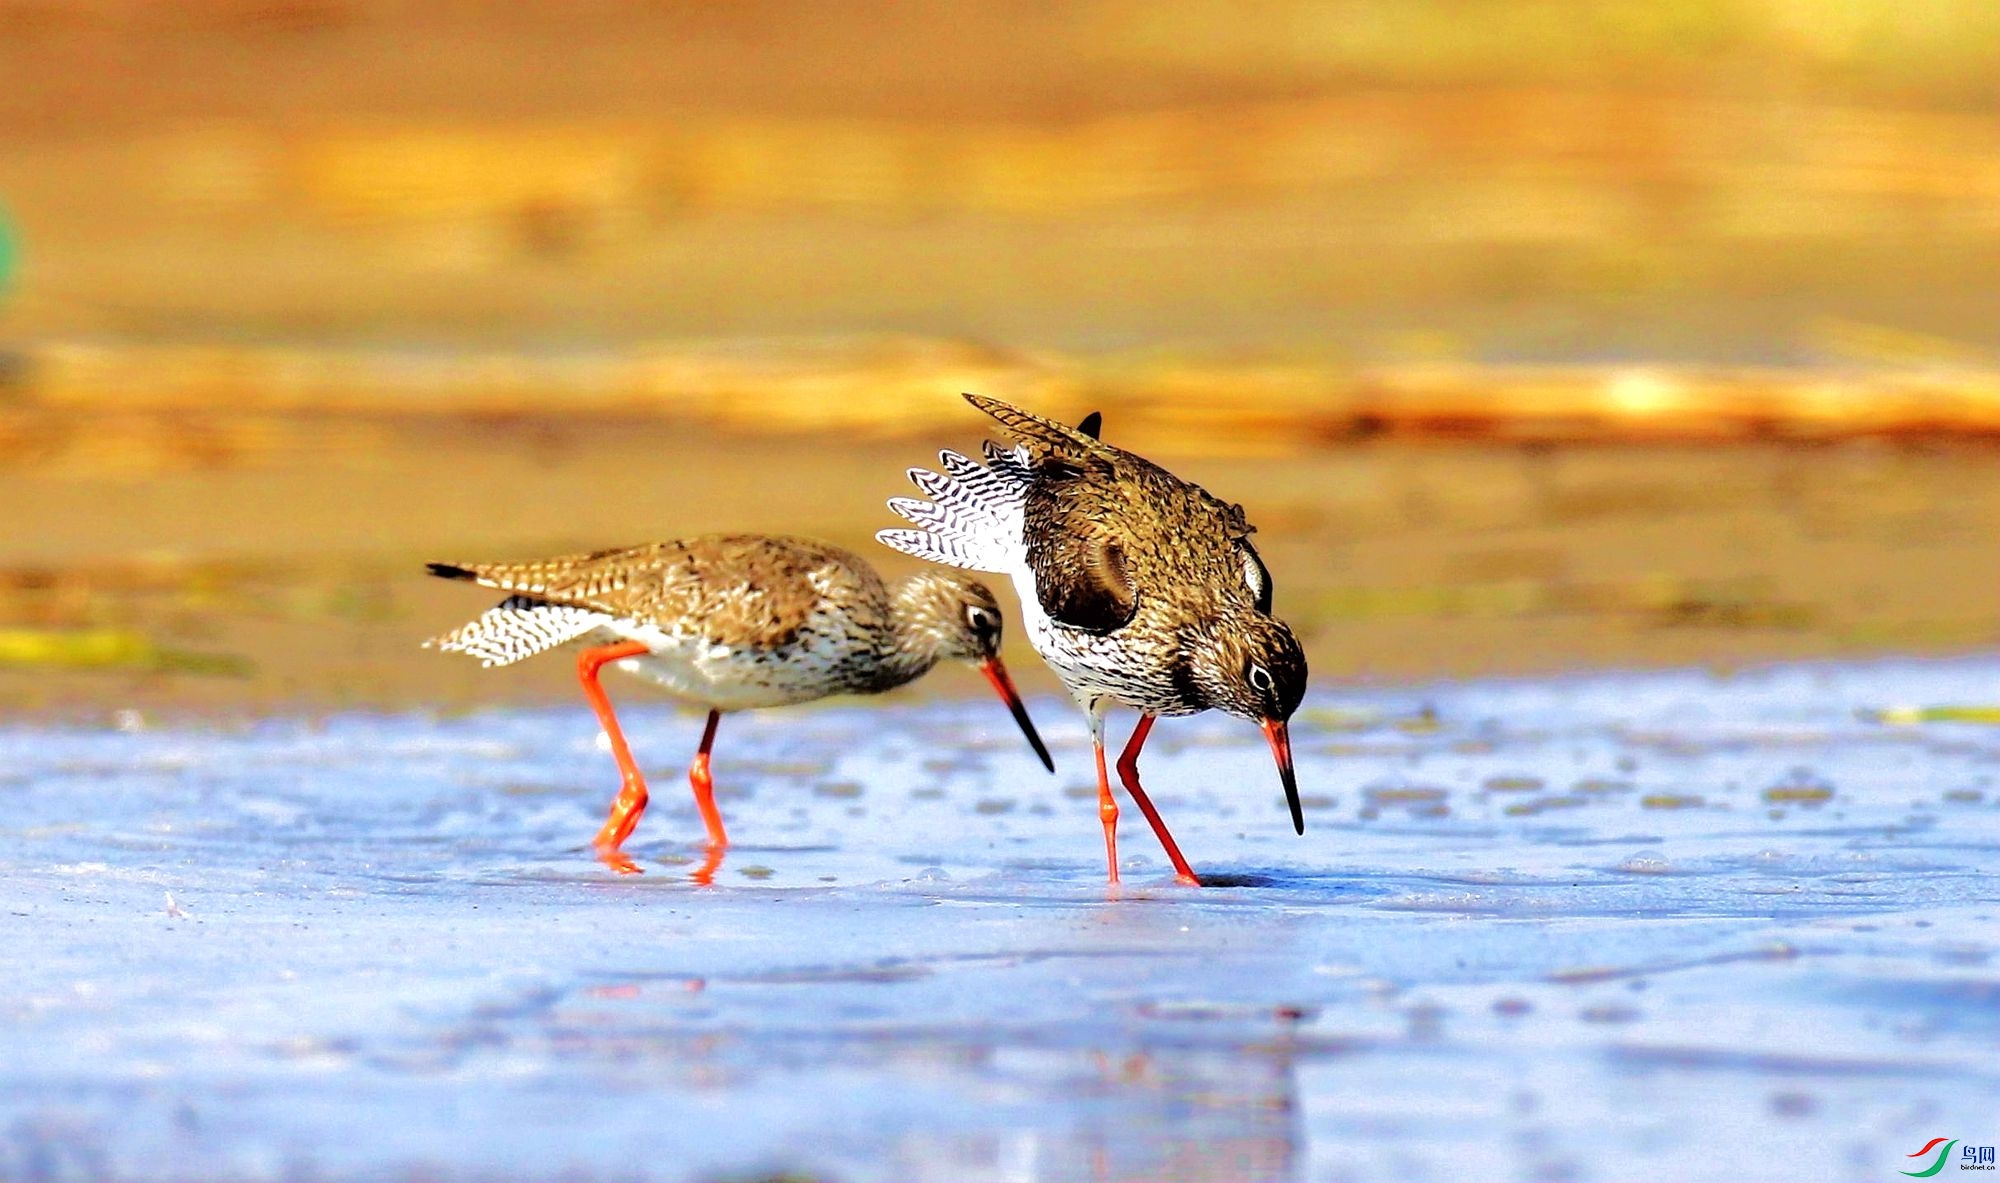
(956,613)
(1250,665)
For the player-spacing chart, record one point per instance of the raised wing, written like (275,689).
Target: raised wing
(1105,528)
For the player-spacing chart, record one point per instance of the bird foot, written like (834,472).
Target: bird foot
(617,860)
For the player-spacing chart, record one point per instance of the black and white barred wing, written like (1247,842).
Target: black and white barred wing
(974,516)
(518,627)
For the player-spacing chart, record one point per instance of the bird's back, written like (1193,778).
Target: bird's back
(766,597)
(1115,557)
(1112,543)
(1104,534)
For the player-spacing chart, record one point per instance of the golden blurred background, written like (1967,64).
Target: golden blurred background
(1533,334)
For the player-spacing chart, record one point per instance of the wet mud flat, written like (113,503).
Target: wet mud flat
(141,573)
(1621,926)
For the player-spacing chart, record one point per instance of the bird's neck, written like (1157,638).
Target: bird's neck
(914,641)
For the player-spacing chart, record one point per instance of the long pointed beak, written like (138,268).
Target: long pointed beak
(1004,687)
(1280,736)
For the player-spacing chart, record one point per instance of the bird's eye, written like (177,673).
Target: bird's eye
(981,621)
(1261,679)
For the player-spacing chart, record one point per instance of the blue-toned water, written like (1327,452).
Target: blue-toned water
(1631,927)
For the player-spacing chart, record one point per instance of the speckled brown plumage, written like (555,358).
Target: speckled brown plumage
(732,622)
(1137,587)
(1101,524)
(754,591)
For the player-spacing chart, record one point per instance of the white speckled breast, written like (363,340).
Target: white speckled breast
(1094,667)
(826,658)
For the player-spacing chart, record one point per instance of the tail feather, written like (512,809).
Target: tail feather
(518,627)
(974,515)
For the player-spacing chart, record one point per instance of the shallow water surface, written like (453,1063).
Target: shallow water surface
(1662,926)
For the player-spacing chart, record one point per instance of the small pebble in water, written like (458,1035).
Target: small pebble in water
(1542,804)
(1671,801)
(1800,788)
(1403,794)
(1423,722)
(1598,784)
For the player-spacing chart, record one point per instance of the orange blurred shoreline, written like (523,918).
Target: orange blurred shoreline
(191,562)
(899,388)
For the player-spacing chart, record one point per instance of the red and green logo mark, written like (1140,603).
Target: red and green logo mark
(1937,1164)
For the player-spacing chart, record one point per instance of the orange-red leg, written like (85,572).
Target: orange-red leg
(1128,772)
(1107,806)
(704,800)
(631,800)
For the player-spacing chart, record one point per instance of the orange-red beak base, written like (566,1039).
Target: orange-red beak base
(1280,736)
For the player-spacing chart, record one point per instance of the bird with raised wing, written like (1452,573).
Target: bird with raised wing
(732,622)
(1138,588)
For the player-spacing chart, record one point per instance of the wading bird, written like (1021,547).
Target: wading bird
(1138,588)
(733,623)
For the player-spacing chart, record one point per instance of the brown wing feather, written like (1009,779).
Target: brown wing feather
(1082,576)
(1091,500)
(748,590)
